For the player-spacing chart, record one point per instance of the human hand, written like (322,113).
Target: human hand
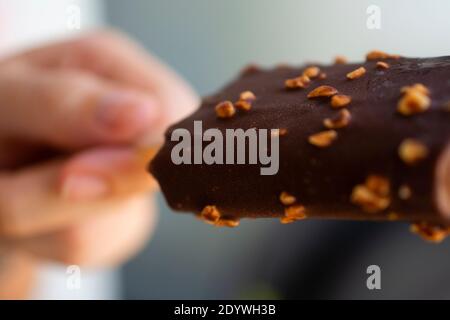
(72,186)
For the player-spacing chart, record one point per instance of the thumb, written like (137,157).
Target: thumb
(57,193)
(71,109)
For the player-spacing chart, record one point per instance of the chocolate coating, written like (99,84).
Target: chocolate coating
(322,179)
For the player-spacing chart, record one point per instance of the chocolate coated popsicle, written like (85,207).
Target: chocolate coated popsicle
(365,141)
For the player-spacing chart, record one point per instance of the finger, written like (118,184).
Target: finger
(71,109)
(100,53)
(106,239)
(103,172)
(17,273)
(54,194)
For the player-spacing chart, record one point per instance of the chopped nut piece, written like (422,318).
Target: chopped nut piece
(247,96)
(304,79)
(340,100)
(415,87)
(412,151)
(376,54)
(340,60)
(286,220)
(293,213)
(340,121)
(373,196)
(243,105)
(287,199)
(378,184)
(225,109)
(210,214)
(323,139)
(415,99)
(368,200)
(311,72)
(231,223)
(357,73)
(322,91)
(322,76)
(297,83)
(430,232)
(245,101)
(382,65)
(404,192)
(413,102)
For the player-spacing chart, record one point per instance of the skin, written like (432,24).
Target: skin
(75,120)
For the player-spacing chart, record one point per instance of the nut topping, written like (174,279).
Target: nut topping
(412,103)
(340,100)
(340,60)
(293,213)
(210,214)
(311,72)
(322,91)
(382,65)
(323,139)
(376,54)
(225,109)
(247,96)
(415,87)
(287,199)
(412,151)
(231,223)
(243,105)
(415,100)
(297,83)
(245,101)
(378,184)
(340,121)
(355,74)
(373,196)
(430,232)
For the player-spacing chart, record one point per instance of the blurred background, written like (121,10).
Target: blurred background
(208,42)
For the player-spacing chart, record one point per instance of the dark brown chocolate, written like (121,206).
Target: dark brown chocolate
(334,181)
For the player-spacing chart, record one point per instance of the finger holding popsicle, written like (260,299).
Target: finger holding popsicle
(78,123)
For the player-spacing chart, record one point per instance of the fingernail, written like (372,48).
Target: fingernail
(126,114)
(84,187)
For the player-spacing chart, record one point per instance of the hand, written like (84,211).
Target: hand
(73,188)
